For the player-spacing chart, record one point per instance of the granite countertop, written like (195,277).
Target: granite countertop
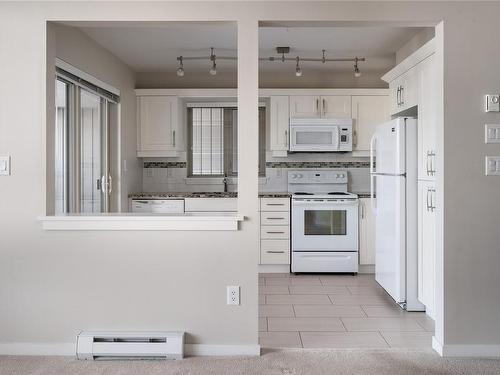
(174,195)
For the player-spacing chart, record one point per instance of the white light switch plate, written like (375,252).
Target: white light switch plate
(492,103)
(492,165)
(4,165)
(492,133)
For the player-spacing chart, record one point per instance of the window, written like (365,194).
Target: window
(82,178)
(213,141)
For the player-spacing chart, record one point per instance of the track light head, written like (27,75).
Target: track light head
(298,71)
(357,72)
(180,70)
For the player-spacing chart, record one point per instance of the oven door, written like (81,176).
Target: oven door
(314,138)
(324,225)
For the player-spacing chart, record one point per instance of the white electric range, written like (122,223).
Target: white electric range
(324,222)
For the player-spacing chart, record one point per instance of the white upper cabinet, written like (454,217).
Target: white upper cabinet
(404,91)
(305,106)
(426,245)
(336,106)
(367,112)
(427,118)
(157,126)
(366,232)
(279,126)
(315,106)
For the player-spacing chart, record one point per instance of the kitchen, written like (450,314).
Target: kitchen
(180,177)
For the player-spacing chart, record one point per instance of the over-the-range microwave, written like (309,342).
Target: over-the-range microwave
(320,135)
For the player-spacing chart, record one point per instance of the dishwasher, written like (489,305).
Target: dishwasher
(158,206)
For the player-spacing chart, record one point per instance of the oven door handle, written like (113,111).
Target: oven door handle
(324,203)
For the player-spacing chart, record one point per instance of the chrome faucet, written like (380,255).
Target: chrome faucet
(225,181)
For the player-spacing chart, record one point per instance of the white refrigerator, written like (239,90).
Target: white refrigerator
(393,180)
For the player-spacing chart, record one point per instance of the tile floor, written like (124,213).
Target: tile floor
(335,311)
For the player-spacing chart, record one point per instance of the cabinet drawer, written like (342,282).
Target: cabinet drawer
(274,232)
(275,252)
(275,204)
(275,218)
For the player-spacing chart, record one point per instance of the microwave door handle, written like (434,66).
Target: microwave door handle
(338,138)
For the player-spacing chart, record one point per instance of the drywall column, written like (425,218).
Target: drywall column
(248,140)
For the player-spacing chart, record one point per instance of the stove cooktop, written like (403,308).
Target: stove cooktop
(330,195)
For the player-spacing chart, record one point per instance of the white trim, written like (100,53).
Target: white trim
(86,76)
(31,348)
(128,221)
(437,346)
(263,93)
(274,268)
(69,349)
(215,104)
(415,58)
(221,350)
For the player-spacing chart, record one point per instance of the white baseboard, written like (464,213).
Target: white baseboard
(221,350)
(29,348)
(69,349)
(466,351)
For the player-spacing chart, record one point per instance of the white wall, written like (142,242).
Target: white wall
(77,49)
(54,284)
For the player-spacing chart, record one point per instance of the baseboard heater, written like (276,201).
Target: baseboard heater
(130,345)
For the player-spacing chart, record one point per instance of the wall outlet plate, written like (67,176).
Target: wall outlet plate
(492,164)
(492,103)
(233,295)
(4,165)
(492,133)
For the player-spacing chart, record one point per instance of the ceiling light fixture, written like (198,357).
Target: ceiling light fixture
(281,52)
(357,72)
(180,70)
(298,71)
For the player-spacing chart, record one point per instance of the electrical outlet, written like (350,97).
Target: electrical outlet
(233,295)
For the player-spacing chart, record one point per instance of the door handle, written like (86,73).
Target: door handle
(433,199)
(275,232)
(398,102)
(286,138)
(402,95)
(98,184)
(373,195)
(173,138)
(317,107)
(362,207)
(433,159)
(275,218)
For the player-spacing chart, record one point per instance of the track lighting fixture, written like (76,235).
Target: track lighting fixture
(281,51)
(357,72)
(180,70)
(298,71)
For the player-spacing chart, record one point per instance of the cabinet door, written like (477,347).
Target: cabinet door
(305,106)
(280,120)
(366,232)
(367,113)
(336,106)
(427,118)
(157,133)
(426,245)
(409,89)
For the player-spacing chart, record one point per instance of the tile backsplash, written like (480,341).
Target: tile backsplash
(161,176)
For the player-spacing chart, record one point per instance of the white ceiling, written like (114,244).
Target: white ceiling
(154,48)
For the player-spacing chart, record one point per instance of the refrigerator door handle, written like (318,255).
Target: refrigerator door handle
(372,150)
(373,194)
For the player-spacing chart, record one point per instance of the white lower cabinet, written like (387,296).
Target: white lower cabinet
(366,232)
(427,245)
(275,231)
(211,204)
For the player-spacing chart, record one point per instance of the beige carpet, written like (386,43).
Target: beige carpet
(317,362)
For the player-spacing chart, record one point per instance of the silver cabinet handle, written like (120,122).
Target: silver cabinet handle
(286,138)
(275,252)
(427,163)
(402,95)
(317,107)
(173,138)
(275,218)
(275,204)
(110,184)
(428,198)
(433,159)
(433,199)
(362,207)
(398,102)
(275,232)
(98,184)
(324,107)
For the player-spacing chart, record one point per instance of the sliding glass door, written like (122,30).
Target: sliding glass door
(82,176)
